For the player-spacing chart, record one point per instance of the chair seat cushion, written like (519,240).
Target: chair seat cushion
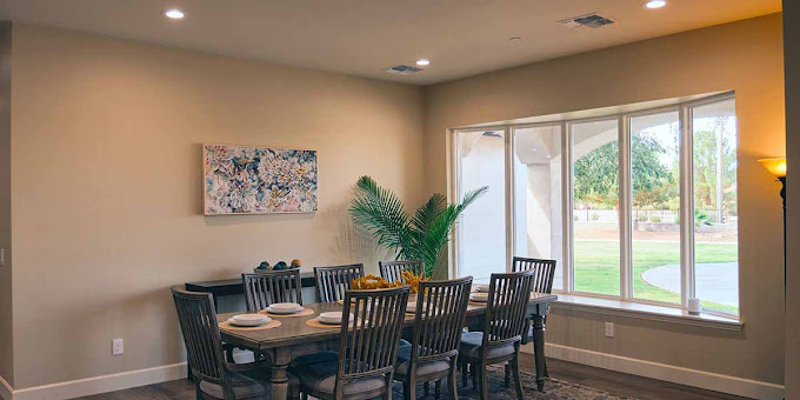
(423,368)
(321,378)
(242,386)
(471,343)
(314,358)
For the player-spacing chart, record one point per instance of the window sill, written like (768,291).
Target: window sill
(619,308)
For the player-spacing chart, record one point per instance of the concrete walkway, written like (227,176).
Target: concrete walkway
(717,282)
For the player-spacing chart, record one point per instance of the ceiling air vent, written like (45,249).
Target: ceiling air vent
(403,70)
(586,21)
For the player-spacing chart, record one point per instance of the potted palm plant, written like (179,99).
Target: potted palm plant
(421,236)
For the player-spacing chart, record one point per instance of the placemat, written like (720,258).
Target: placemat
(313,322)
(227,326)
(306,312)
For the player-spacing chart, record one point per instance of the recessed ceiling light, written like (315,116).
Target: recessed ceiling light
(174,14)
(655,3)
(423,62)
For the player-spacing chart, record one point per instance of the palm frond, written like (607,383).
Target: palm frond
(433,242)
(428,212)
(380,212)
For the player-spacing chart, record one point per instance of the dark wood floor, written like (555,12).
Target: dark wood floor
(609,381)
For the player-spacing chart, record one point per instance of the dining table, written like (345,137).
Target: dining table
(297,336)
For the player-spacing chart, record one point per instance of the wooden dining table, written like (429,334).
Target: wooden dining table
(294,337)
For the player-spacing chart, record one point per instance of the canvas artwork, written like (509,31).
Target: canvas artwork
(258,180)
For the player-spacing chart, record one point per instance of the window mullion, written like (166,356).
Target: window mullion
(687,206)
(509,186)
(567,201)
(625,209)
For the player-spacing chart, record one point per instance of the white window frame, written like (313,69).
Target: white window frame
(687,244)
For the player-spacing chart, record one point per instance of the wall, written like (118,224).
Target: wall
(106,186)
(746,57)
(791,12)
(6,336)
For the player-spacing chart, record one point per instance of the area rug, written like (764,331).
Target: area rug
(553,390)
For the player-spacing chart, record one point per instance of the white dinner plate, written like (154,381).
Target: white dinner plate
(479,297)
(249,320)
(332,318)
(285,308)
(482,288)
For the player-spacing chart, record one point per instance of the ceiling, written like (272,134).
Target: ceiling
(364,37)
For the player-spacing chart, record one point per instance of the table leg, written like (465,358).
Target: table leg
(538,349)
(279,382)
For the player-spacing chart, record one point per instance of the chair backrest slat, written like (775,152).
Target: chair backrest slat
(266,288)
(333,282)
(200,328)
(506,310)
(369,345)
(439,321)
(393,270)
(544,272)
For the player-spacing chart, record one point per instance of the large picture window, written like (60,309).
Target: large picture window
(638,206)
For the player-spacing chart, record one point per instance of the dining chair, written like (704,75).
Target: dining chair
(440,314)
(543,277)
(364,366)
(503,327)
(544,272)
(392,271)
(214,378)
(333,282)
(265,288)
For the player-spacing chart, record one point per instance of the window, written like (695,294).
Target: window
(482,237)
(595,188)
(538,194)
(716,267)
(637,206)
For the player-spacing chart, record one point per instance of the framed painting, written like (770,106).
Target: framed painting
(258,180)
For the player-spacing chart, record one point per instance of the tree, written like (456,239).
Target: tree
(597,174)
(706,154)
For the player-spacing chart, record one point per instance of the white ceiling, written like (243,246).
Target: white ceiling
(363,37)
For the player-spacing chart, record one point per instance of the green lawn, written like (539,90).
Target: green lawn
(597,266)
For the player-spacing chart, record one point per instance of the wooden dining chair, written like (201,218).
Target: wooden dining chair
(214,378)
(333,282)
(265,288)
(544,272)
(503,327)
(438,323)
(392,271)
(364,367)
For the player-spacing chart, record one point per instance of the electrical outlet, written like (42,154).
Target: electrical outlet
(117,347)
(609,329)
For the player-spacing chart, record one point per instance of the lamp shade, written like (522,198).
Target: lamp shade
(775,166)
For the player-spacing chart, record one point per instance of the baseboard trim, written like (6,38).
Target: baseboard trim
(101,384)
(685,376)
(6,391)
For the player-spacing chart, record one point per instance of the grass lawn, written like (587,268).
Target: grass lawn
(597,266)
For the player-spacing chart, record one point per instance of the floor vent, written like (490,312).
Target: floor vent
(593,21)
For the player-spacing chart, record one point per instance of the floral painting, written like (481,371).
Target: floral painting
(259,180)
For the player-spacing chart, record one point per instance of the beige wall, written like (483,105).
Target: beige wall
(791,12)
(6,336)
(746,57)
(106,186)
